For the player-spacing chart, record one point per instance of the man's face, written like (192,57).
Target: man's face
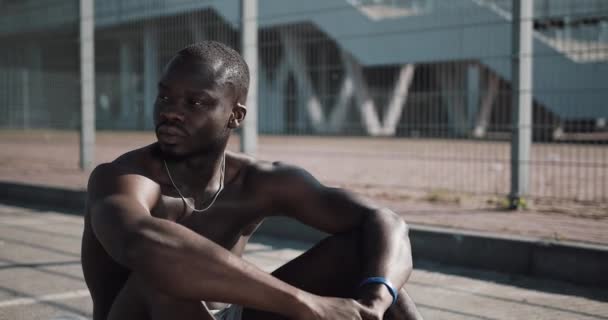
(192,108)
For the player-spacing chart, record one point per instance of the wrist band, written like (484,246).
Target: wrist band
(385,282)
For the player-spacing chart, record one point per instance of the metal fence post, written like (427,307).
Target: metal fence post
(522,99)
(151,71)
(87,84)
(249,46)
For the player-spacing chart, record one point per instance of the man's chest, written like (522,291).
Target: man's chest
(231,217)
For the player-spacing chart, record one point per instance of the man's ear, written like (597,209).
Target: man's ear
(239,111)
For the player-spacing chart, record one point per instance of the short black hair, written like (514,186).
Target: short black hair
(235,70)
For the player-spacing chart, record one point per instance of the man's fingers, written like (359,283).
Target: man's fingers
(368,313)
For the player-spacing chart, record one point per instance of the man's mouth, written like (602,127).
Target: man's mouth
(168,138)
(169,134)
(170,130)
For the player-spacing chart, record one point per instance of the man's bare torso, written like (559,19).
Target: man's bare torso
(231,220)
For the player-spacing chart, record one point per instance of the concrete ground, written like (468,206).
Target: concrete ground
(41,278)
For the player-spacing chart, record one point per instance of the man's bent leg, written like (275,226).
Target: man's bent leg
(129,304)
(404,308)
(138,300)
(332,268)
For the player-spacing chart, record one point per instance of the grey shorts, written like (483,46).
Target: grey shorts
(233,312)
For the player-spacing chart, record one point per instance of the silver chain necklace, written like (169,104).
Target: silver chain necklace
(217,193)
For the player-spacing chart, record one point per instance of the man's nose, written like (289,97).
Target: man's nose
(171,113)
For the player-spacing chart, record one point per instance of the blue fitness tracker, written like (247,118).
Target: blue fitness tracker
(385,282)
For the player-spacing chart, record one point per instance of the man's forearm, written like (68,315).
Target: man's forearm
(186,265)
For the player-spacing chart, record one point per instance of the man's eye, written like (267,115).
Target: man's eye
(163,97)
(197,103)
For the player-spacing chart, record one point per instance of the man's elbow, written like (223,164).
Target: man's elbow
(397,226)
(401,232)
(389,218)
(116,238)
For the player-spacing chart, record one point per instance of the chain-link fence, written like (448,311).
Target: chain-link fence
(428,80)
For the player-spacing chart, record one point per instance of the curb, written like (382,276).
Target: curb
(43,195)
(577,263)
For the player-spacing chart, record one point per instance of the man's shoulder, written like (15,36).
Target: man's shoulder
(138,161)
(130,171)
(276,177)
(261,170)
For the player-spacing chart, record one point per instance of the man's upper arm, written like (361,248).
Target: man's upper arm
(295,192)
(117,202)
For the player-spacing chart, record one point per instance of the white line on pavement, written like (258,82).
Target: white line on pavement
(47,297)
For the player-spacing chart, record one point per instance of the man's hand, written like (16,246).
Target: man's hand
(376,297)
(328,308)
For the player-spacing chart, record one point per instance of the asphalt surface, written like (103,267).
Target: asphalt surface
(41,278)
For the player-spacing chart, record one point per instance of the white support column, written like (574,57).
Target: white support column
(25,93)
(87,84)
(249,45)
(473,84)
(558,132)
(398,99)
(322,70)
(487,104)
(197,29)
(567,20)
(127,104)
(269,114)
(4,81)
(33,78)
(603,33)
(277,95)
(296,60)
(363,97)
(6,92)
(151,73)
(337,117)
(600,123)
(453,97)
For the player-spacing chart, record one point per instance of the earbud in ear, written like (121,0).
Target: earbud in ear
(233,123)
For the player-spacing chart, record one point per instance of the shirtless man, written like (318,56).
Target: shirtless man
(147,254)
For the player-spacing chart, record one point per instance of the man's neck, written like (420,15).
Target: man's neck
(197,173)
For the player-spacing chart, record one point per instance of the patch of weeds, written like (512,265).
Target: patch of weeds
(500,203)
(442,196)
